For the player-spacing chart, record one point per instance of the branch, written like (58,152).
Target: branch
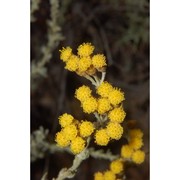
(70,173)
(100,154)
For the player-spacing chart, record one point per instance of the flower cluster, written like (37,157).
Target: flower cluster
(116,167)
(73,133)
(129,153)
(84,63)
(132,150)
(107,104)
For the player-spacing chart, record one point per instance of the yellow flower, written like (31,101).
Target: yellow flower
(109,175)
(136,143)
(135,133)
(116,97)
(65,53)
(101,137)
(65,119)
(85,49)
(103,105)
(104,89)
(61,139)
(99,61)
(126,151)
(84,63)
(89,105)
(77,145)
(98,176)
(138,157)
(114,130)
(72,63)
(117,115)
(116,166)
(70,131)
(86,128)
(82,93)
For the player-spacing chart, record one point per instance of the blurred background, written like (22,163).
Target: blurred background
(117,28)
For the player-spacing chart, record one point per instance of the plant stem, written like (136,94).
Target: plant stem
(70,173)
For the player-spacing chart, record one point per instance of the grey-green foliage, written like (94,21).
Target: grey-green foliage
(34,7)
(40,145)
(54,36)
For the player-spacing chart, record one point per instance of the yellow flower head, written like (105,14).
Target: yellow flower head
(99,61)
(84,63)
(135,133)
(65,53)
(116,166)
(70,131)
(82,93)
(77,145)
(126,151)
(114,130)
(138,157)
(61,139)
(85,49)
(101,137)
(104,89)
(86,128)
(136,143)
(65,119)
(117,115)
(109,175)
(89,105)
(98,176)
(116,97)
(72,63)
(103,105)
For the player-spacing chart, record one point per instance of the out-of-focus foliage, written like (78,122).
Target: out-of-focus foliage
(40,144)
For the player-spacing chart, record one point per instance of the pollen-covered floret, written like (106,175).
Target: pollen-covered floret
(116,96)
(117,115)
(99,61)
(98,176)
(77,145)
(135,133)
(65,119)
(114,130)
(104,89)
(84,63)
(109,175)
(138,157)
(72,63)
(136,143)
(89,105)
(101,137)
(126,151)
(82,93)
(116,166)
(85,49)
(103,105)
(86,128)
(65,53)
(70,131)
(61,139)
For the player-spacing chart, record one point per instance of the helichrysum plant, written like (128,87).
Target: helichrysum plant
(107,106)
